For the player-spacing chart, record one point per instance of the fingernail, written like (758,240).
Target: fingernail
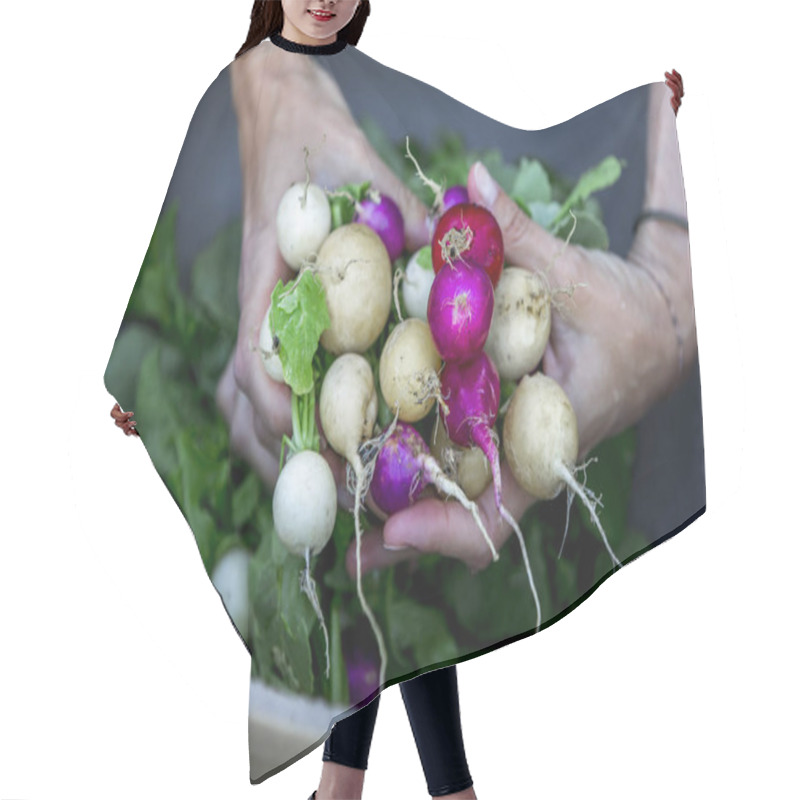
(395,548)
(485,184)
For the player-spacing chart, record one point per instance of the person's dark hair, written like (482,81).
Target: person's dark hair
(266,19)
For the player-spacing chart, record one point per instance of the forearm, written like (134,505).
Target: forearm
(661,248)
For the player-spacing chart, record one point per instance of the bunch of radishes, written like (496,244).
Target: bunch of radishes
(471,323)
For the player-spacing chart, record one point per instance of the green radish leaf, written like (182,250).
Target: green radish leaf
(609,478)
(589,231)
(245,499)
(605,174)
(213,284)
(343,207)
(339,690)
(300,626)
(156,290)
(201,471)
(299,316)
(544,213)
(131,347)
(158,419)
(425,259)
(532,184)
(423,629)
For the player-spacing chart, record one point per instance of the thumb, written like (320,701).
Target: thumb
(526,243)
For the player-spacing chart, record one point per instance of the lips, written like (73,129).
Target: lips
(323,16)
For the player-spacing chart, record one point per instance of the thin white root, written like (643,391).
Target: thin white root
(398,276)
(570,498)
(506,515)
(309,588)
(434,187)
(360,490)
(368,455)
(561,252)
(590,503)
(437,476)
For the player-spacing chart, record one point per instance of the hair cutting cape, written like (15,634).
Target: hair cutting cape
(181,328)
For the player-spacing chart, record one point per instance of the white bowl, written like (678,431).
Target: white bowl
(284,727)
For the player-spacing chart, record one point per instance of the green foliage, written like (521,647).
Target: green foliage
(298,317)
(166,365)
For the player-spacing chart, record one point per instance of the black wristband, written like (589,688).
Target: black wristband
(664,216)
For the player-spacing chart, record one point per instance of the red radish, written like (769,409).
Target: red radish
(404,468)
(472,393)
(382,214)
(460,308)
(469,233)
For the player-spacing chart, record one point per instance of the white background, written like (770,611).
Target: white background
(120,674)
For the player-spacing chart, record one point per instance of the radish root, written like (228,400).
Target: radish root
(590,501)
(359,476)
(398,276)
(437,476)
(487,440)
(360,491)
(309,588)
(438,191)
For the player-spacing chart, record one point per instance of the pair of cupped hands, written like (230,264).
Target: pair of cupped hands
(594,353)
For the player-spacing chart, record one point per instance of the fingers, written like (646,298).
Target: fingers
(675,83)
(526,244)
(446,528)
(271,401)
(375,556)
(443,527)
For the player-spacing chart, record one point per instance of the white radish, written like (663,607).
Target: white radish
(520,322)
(409,370)
(348,409)
(304,503)
(304,513)
(269,348)
(303,222)
(540,436)
(467,466)
(416,286)
(348,404)
(230,580)
(356,273)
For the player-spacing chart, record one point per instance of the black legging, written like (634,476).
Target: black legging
(432,706)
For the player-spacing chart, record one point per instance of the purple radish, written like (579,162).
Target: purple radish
(472,393)
(404,468)
(454,196)
(460,308)
(382,214)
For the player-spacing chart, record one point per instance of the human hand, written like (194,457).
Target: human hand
(675,83)
(284,103)
(124,420)
(612,348)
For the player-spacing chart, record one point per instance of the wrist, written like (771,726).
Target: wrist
(661,251)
